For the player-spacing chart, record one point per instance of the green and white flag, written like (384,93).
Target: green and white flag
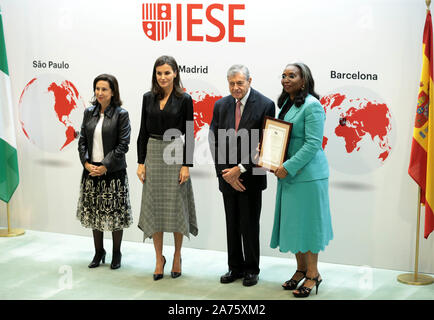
(8,148)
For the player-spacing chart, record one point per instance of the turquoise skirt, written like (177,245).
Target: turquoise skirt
(302,220)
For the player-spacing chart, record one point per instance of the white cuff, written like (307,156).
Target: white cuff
(242,169)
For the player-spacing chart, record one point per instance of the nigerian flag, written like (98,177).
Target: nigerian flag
(8,147)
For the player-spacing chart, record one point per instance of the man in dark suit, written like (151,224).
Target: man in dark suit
(234,135)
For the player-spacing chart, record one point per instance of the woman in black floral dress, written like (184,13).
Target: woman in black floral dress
(104,203)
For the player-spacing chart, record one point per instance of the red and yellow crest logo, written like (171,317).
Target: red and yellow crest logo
(156,20)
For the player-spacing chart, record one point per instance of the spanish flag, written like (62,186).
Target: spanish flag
(421,167)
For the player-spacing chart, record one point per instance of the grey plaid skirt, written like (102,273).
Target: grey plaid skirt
(166,206)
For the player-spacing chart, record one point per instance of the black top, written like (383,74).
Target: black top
(177,114)
(285,108)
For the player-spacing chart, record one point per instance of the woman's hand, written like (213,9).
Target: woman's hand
(97,171)
(89,167)
(141,172)
(281,172)
(184,174)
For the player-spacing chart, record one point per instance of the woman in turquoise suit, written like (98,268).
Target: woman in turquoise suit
(302,221)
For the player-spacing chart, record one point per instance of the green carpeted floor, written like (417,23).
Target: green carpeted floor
(50,266)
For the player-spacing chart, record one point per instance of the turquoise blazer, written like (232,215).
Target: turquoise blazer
(306,159)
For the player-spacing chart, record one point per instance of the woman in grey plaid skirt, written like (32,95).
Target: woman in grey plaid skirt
(164,161)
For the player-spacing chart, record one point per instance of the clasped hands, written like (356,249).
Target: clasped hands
(184,174)
(232,176)
(95,171)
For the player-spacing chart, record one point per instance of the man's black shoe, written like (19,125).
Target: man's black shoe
(250,279)
(230,277)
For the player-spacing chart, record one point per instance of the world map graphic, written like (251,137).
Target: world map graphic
(50,112)
(358,133)
(204,96)
(203,109)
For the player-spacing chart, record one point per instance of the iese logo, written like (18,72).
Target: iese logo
(157,21)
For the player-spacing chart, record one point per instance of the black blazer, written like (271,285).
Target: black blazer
(257,107)
(116,131)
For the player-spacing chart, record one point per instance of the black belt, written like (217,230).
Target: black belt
(160,137)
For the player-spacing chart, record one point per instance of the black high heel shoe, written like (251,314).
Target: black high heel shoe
(116,260)
(292,284)
(97,258)
(304,291)
(158,276)
(176,274)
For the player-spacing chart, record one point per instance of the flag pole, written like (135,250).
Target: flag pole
(10,232)
(416,278)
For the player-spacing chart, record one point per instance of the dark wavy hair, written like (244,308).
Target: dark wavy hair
(177,84)
(116,99)
(309,87)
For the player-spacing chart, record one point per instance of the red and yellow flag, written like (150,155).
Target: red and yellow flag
(421,167)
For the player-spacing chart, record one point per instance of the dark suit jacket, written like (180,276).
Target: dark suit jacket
(116,132)
(230,149)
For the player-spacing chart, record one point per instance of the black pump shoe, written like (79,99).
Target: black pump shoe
(158,276)
(116,260)
(97,258)
(176,274)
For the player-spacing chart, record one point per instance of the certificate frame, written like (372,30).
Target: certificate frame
(274,143)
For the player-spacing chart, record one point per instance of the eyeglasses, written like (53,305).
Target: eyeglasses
(288,76)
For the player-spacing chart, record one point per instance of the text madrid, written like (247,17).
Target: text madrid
(353,76)
(194,69)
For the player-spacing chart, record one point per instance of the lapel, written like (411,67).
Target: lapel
(248,108)
(231,113)
(107,113)
(292,113)
(91,124)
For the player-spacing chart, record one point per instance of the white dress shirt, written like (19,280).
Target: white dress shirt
(97,149)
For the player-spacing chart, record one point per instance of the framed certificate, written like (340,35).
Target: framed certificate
(274,143)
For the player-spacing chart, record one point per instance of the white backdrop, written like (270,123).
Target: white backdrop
(373,202)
